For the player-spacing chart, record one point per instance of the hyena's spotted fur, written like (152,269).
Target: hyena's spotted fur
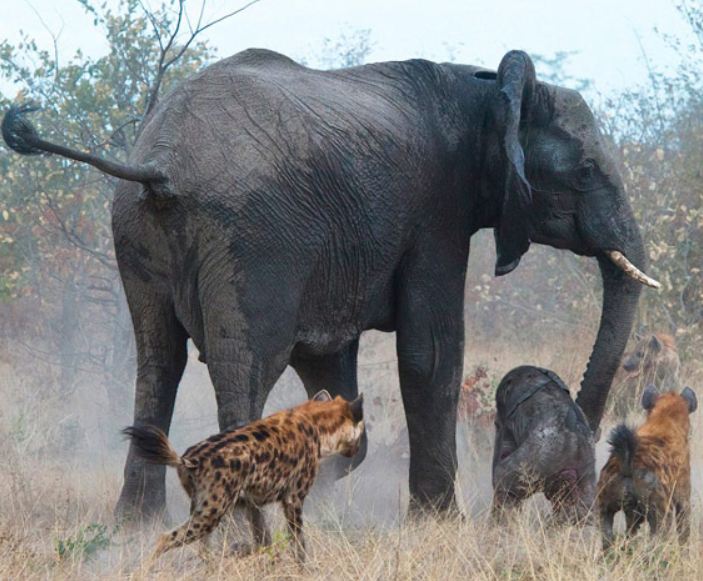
(648,474)
(274,459)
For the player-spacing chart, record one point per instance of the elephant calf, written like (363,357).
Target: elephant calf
(543,444)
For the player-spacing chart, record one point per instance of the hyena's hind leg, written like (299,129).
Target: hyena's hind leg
(198,527)
(607,516)
(633,520)
(683,520)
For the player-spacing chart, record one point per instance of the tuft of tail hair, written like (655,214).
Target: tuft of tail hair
(623,445)
(152,444)
(19,134)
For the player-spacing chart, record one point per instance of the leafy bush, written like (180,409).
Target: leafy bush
(88,541)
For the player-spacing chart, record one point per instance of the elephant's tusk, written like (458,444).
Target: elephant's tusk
(621,261)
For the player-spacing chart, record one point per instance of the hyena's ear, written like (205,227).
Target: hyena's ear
(649,397)
(690,396)
(655,344)
(322,395)
(357,408)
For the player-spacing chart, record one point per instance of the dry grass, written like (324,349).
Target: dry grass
(59,503)
(56,508)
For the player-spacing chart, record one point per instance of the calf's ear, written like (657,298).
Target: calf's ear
(690,396)
(649,397)
(357,408)
(322,395)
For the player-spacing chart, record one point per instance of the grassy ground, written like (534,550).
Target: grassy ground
(61,475)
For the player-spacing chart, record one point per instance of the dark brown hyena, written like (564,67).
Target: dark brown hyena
(649,470)
(274,459)
(653,360)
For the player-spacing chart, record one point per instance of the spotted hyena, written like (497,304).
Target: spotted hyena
(274,459)
(653,360)
(648,474)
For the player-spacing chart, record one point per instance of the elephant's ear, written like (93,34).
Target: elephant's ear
(516,93)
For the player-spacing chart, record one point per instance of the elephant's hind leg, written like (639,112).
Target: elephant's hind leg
(246,353)
(161,359)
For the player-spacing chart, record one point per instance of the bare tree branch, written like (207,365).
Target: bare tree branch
(54,37)
(74,238)
(164,64)
(154,24)
(161,68)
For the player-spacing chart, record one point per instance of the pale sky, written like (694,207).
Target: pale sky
(610,36)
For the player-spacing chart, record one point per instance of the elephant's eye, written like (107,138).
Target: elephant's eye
(585,175)
(586,170)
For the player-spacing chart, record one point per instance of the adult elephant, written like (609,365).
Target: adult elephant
(272,213)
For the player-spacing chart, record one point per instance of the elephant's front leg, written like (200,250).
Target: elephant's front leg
(430,346)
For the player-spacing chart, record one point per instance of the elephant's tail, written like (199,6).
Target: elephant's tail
(152,445)
(21,136)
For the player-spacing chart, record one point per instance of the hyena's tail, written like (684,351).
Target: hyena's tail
(151,444)
(623,444)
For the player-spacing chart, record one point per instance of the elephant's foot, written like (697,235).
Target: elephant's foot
(437,504)
(140,510)
(143,497)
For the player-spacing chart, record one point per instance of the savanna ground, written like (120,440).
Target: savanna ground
(61,470)
(67,355)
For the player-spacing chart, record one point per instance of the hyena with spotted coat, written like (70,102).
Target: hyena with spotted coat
(653,360)
(275,459)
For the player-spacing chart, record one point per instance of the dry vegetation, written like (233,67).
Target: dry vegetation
(61,474)
(67,355)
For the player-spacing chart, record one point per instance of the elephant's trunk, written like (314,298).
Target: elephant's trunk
(620,296)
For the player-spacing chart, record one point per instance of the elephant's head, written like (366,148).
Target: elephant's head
(548,165)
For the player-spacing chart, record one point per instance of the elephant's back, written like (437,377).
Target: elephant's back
(248,115)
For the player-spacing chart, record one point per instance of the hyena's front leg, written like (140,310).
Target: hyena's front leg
(259,528)
(293,511)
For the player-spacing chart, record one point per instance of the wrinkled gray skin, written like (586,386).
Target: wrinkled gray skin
(543,444)
(277,212)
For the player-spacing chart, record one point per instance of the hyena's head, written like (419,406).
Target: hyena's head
(654,358)
(669,404)
(339,422)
